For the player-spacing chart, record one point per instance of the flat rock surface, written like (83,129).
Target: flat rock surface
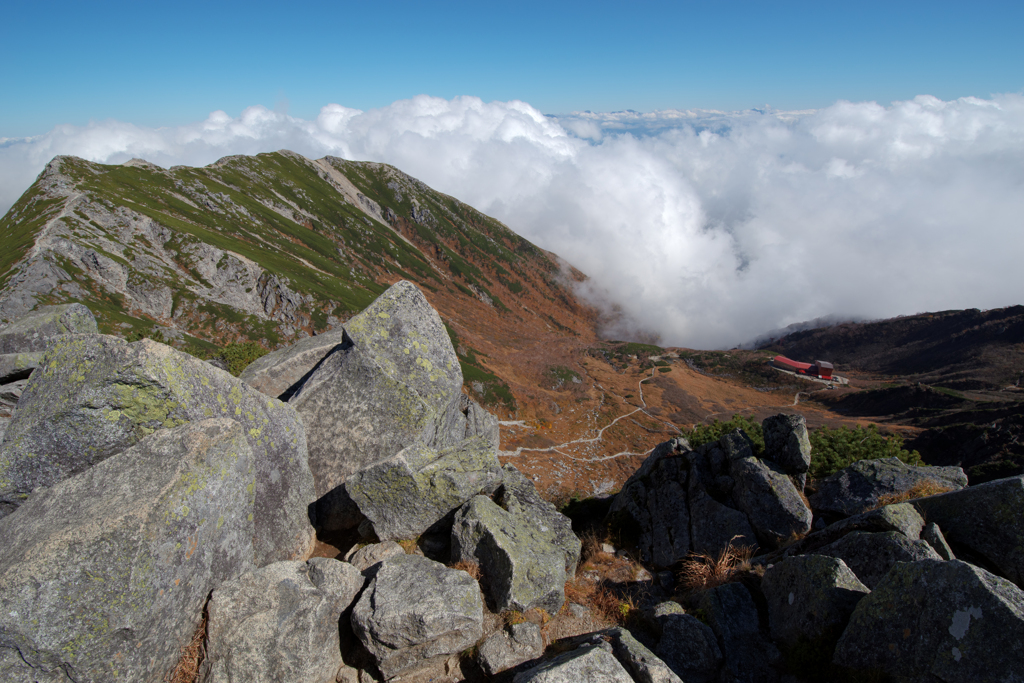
(105,574)
(278,373)
(97,395)
(590,663)
(936,620)
(871,555)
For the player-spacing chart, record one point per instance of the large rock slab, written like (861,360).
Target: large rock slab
(787,443)
(398,384)
(860,487)
(15,366)
(774,507)
(543,513)
(104,575)
(591,663)
(281,372)
(405,495)
(689,648)
(810,599)
(936,620)
(97,395)
(522,564)
(871,555)
(280,623)
(416,610)
(748,655)
(35,330)
(987,519)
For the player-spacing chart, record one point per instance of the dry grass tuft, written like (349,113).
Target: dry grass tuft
(921,489)
(192,656)
(701,571)
(408,545)
(604,603)
(471,568)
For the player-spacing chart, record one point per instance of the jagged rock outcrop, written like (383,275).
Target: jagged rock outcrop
(810,599)
(986,520)
(935,620)
(415,610)
(34,330)
(685,500)
(104,575)
(787,443)
(96,395)
(405,495)
(398,384)
(860,487)
(280,623)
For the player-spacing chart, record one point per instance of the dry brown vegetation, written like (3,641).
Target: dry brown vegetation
(471,568)
(192,656)
(921,489)
(702,571)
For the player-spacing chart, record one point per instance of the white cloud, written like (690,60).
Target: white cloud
(707,227)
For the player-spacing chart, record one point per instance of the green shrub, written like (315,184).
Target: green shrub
(834,449)
(831,449)
(702,434)
(238,356)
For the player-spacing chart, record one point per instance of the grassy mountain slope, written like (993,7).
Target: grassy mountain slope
(270,248)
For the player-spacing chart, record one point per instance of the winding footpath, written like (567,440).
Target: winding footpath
(556,449)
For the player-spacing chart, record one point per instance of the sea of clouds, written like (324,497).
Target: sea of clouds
(706,228)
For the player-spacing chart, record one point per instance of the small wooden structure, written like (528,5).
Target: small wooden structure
(820,369)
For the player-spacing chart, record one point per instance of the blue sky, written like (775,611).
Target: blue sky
(157,64)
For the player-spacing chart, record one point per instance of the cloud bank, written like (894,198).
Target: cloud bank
(708,228)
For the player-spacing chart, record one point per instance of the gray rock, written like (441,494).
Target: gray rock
(35,330)
(416,610)
(748,655)
(644,665)
(689,648)
(106,573)
(16,366)
(544,514)
(786,442)
(97,395)
(933,535)
(871,555)
(405,495)
(336,511)
(652,505)
(810,600)
(713,525)
(773,506)
(398,384)
(368,555)
(510,647)
(280,373)
(479,422)
(902,518)
(280,622)
(590,663)
(937,621)
(735,445)
(987,520)
(859,487)
(522,564)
